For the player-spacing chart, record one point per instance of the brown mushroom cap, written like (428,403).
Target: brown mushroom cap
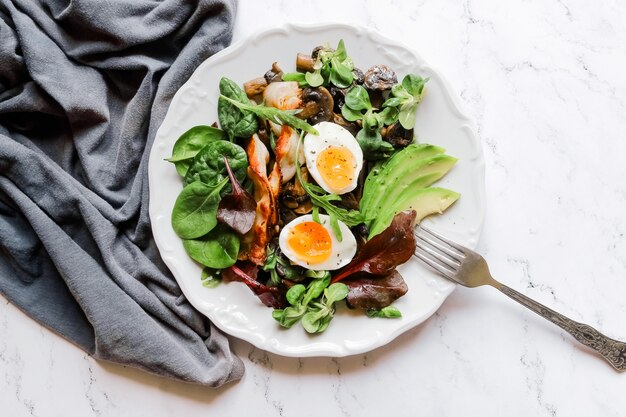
(318,105)
(398,136)
(380,77)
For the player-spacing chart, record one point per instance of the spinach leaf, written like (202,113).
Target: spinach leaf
(190,143)
(208,165)
(295,293)
(275,115)
(389,312)
(195,209)
(233,120)
(218,249)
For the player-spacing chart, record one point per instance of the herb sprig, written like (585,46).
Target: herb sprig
(406,97)
(331,66)
(358,107)
(321,199)
(273,114)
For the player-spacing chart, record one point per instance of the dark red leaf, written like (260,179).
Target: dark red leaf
(246,272)
(385,251)
(375,291)
(238,209)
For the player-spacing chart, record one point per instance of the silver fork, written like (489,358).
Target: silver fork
(464,266)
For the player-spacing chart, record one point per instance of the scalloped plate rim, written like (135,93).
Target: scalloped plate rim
(314,349)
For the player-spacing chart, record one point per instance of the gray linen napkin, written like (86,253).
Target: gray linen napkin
(84,85)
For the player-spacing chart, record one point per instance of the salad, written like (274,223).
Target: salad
(310,187)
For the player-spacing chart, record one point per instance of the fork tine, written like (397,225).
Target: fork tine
(439,245)
(460,249)
(434,265)
(426,246)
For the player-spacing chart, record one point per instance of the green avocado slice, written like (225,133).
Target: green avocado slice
(425,201)
(379,179)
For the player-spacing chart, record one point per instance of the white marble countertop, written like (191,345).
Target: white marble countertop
(545,81)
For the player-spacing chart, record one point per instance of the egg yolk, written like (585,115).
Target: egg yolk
(336,166)
(310,242)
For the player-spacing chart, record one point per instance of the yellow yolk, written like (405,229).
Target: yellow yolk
(336,165)
(310,242)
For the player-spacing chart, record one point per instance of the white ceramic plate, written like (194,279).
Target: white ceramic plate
(440,120)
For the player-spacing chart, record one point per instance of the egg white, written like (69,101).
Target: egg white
(341,252)
(331,134)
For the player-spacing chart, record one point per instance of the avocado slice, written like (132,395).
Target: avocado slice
(425,201)
(407,178)
(379,178)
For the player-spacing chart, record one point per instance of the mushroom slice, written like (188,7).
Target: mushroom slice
(284,95)
(398,136)
(380,77)
(318,105)
(285,150)
(255,86)
(266,191)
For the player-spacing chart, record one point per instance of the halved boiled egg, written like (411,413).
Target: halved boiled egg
(314,245)
(334,158)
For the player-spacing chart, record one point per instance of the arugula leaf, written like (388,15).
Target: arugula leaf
(274,114)
(321,199)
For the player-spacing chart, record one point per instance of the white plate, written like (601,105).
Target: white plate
(440,120)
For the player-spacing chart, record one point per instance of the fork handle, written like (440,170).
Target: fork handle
(612,350)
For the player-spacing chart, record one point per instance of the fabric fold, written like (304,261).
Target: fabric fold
(84,85)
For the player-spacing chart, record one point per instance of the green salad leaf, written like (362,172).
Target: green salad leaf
(405,97)
(208,165)
(195,209)
(190,143)
(357,106)
(233,120)
(218,249)
(275,115)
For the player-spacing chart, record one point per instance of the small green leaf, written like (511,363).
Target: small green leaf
(388,116)
(336,292)
(414,84)
(357,98)
(210,277)
(314,320)
(340,53)
(315,214)
(295,76)
(389,312)
(393,102)
(406,118)
(295,293)
(315,289)
(351,115)
(334,226)
(340,74)
(314,79)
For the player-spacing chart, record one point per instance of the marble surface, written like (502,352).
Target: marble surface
(545,81)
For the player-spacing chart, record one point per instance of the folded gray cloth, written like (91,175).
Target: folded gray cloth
(84,85)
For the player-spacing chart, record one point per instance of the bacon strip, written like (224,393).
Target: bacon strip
(266,195)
